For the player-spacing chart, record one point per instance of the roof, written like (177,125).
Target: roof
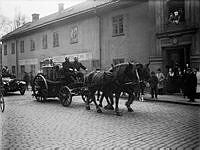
(82,8)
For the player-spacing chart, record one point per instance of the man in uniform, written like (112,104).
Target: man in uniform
(78,65)
(69,69)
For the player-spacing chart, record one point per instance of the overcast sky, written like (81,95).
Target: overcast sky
(8,8)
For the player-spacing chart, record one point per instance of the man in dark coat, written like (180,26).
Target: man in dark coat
(26,79)
(78,65)
(191,84)
(69,70)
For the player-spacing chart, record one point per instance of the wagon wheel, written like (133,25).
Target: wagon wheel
(85,96)
(2,103)
(65,96)
(39,88)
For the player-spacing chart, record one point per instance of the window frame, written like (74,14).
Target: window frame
(118,25)
(22,46)
(118,61)
(5,49)
(33,68)
(12,48)
(44,41)
(169,10)
(13,69)
(55,39)
(32,45)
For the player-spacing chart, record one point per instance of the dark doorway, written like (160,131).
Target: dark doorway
(176,55)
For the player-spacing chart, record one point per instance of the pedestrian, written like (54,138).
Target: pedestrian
(31,80)
(26,79)
(161,79)
(153,85)
(198,83)
(170,81)
(191,84)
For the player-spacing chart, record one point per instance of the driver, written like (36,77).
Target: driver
(77,66)
(68,69)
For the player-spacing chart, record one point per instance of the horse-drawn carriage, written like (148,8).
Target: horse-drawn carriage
(52,82)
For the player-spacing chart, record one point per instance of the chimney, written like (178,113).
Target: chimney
(35,17)
(60,7)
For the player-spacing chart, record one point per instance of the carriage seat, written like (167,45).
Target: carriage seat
(54,82)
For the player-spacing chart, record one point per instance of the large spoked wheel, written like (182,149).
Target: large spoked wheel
(39,88)
(2,102)
(65,96)
(86,96)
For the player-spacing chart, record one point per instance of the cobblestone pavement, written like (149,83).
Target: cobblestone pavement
(28,125)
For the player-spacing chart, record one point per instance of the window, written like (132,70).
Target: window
(21,46)
(118,61)
(13,48)
(118,25)
(95,63)
(176,12)
(5,50)
(55,39)
(74,35)
(44,41)
(13,69)
(33,69)
(22,67)
(32,45)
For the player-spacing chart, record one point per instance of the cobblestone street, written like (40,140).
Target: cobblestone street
(28,124)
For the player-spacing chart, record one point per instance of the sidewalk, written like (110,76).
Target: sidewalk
(177,99)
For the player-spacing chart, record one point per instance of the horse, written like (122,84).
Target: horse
(96,81)
(124,77)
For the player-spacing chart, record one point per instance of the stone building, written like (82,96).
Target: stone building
(177,34)
(105,32)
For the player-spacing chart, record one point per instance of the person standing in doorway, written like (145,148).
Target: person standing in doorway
(161,79)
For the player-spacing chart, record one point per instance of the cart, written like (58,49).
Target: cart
(51,82)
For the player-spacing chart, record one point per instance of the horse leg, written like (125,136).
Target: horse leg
(94,100)
(101,99)
(117,95)
(87,101)
(129,102)
(97,106)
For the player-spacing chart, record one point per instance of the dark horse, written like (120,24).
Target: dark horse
(122,78)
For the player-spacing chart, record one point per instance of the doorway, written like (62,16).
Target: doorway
(176,55)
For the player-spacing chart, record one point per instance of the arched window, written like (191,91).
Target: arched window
(176,11)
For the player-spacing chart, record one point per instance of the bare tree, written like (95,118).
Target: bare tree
(5,25)
(19,19)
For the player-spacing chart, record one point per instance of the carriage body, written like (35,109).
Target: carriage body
(51,82)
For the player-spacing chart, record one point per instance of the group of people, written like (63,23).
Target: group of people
(186,82)
(72,69)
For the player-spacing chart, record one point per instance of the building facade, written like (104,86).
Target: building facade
(177,34)
(108,32)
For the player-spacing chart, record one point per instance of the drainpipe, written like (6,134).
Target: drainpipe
(100,48)
(17,59)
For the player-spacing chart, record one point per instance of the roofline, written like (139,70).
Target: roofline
(93,10)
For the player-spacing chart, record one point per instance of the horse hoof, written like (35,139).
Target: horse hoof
(118,113)
(99,111)
(130,110)
(87,107)
(109,107)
